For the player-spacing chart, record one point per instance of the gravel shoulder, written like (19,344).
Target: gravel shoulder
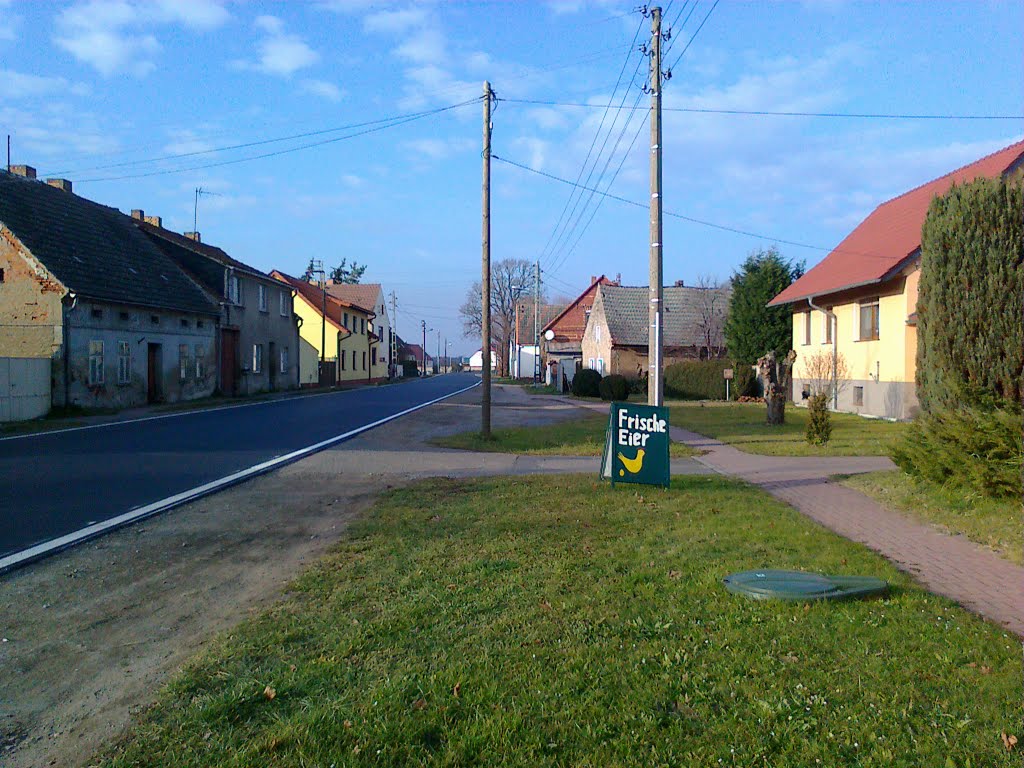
(90,634)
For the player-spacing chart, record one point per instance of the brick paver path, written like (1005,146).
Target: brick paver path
(946,564)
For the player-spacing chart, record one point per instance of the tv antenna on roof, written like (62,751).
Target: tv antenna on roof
(195,209)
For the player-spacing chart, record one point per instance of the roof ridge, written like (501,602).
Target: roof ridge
(963,167)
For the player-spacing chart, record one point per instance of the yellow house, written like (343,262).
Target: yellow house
(861,300)
(343,334)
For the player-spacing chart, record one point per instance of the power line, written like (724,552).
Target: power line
(692,220)
(593,143)
(770,113)
(392,124)
(693,36)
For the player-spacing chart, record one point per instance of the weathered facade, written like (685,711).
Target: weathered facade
(564,348)
(869,285)
(616,336)
(119,322)
(258,347)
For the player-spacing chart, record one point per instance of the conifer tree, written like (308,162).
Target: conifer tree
(753,329)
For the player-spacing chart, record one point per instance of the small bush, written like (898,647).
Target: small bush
(614,387)
(637,385)
(697,380)
(819,422)
(744,383)
(973,449)
(586,383)
(409,368)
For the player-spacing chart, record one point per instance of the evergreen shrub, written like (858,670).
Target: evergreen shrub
(819,421)
(614,387)
(696,380)
(586,382)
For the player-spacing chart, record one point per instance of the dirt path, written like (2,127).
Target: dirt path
(90,635)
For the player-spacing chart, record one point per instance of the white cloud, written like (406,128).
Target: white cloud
(324,89)
(536,150)
(41,136)
(439,149)
(19,85)
(185,140)
(279,53)
(116,36)
(397,22)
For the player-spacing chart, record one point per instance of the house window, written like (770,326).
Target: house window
(284,360)
(591,364)
(184,323)
(807,327)
(183,365)
(828,326)
(95,363)
(97,314)
(234,294)
(124,316)
(345,320)
(1,275)
(257,358)
(200,358)
(597,333)
(858,395)
(124,362)
(342,357)
(600,365)
(154,319)
(263,298)
(869,320)
(199,323)
(353,359)
(283,301)
(364,361)
(380,331)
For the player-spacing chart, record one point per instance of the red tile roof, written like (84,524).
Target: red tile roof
(363,295)
(891,234)
(570,323)
(315,298)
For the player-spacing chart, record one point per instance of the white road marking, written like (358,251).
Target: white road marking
(91,531)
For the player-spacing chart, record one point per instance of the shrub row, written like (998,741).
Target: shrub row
(590,383)
(704,380)
(971,448)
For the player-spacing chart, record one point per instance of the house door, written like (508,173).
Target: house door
(229,361)
(154,367)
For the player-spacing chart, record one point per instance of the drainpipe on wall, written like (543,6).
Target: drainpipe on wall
(67,346)
(835,350)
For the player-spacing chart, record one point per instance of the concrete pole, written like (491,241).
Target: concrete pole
(655,384)
(536,327)
(485,272)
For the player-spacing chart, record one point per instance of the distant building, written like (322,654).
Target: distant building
(117,322)
(476,360)
(371,296)
(258,349)
(618,330)
(562,353)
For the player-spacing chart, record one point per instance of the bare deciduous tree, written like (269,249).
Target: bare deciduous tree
(819,372)
(712,305)
(510,280)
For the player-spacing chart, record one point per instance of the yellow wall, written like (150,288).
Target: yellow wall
(890,358)
(311,333)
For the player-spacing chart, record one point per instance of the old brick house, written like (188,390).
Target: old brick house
(82,287)
(617,332)
(562,337)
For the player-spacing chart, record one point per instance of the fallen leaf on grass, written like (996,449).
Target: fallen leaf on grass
(545,605)
(270,693)
(451,587)
(457,690)
(1009,740)
(435,519)
(674,574)
(791,658)
(985,670)
(419,704)
(347,724)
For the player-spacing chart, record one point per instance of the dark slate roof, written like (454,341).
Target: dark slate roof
(94,250)
(159,234)
(625,312)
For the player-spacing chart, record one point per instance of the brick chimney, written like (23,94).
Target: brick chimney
(593,279)
(156,221)
(192,236)
(138,214)
(63,184)
(24,170)
(680,284)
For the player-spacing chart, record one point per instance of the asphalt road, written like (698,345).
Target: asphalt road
(53,484)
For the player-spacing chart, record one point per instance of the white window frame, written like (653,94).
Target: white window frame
(600,365)
(807,335)
(591,366)
(283,302)
(284,360)
(257,358)
(233,289)
(124,362)
(183,365)
(597,332)
(262,293)
(95,363)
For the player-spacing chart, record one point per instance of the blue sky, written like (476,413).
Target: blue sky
(91,84)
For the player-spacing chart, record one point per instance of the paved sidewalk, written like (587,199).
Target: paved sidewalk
(946,564)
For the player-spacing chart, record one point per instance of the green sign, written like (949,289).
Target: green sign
(636,445)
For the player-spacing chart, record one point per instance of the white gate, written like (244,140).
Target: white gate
(24,388)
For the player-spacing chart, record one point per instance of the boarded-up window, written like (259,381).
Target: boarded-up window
(124,362)
(95,363)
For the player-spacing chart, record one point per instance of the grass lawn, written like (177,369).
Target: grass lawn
(555,621)
(994,523)
(578,437)
(743,425)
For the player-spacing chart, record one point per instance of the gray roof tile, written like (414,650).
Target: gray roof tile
(625,311)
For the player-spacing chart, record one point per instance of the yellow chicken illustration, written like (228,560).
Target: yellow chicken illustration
(633,465)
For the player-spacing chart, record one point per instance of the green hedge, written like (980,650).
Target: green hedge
(704,380)
(586,383)
(971,297)
(971,448)
(614,387)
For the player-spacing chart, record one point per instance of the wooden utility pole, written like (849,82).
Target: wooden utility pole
(423,324)
(393,347)
(536,327)
(485,272)
(655,381)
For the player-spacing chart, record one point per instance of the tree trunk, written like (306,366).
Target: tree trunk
(776,375)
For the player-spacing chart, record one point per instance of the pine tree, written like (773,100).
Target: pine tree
(753,329)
